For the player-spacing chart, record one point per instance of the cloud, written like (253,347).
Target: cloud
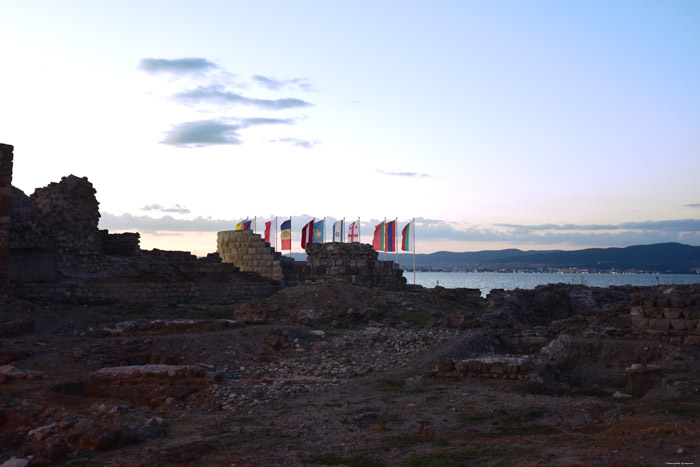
(157,207)
(277,84)
(402,174)
(302,143)
(426,230)
(214,132)
(176,66)
(682,225)
(694,205)
(217,94)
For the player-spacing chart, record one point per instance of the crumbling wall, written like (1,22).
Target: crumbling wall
(669,313)
(248,251)
(59,255)
(6,154)
(355,263)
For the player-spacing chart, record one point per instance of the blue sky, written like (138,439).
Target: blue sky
(501,124)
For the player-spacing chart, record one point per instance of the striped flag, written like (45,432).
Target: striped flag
(307,234)
(286,235)
(338,231)
(390,240)
(406,237)
(379,236)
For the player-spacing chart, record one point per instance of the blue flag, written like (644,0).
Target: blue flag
(319,232)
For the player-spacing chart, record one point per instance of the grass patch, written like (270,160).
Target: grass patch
(334,459)
(332,404)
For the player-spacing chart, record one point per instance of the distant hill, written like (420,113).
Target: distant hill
(660,257)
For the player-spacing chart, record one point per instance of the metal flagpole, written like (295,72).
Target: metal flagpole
(359,231)
(276,234)
(342,231)
(255,224)
(290,236)
(413,227)
(323,235)
(384,239)
(396,225)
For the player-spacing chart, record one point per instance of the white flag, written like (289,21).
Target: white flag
(338,231)
(352,232)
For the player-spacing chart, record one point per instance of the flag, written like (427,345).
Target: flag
(379,237)
(286,235)
(246,225)
(307,234)
(239,226)
(390,241)
(405,238)
(268,225)
(320,232)
(352,232)
(338,231)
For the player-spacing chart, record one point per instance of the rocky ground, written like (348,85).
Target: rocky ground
(331,374)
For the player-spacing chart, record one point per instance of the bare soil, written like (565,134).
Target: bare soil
(348,388)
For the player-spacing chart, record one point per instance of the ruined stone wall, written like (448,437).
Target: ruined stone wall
(492,366)
(248,251)
(6,154)
(355,263)
(669,313)
(58,254)
(153,277)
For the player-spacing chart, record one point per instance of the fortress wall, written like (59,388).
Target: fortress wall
(249,252)
(355,263)
(6,155)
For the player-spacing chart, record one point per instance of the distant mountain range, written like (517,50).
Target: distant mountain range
(659,257)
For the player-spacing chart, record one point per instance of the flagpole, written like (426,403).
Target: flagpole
(290,236)
(276,233)
(396,225)
(342,231)
(414,251)
(359,230)
(324,230)
(255,224)
(384,239)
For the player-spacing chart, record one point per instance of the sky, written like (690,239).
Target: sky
(502,124)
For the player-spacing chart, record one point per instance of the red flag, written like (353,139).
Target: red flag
(378,241)
(307,234)
(268,224)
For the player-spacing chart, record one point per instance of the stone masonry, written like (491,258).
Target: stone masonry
(6,154)
(670,313)
(355,263)
(58,254)
(249,252)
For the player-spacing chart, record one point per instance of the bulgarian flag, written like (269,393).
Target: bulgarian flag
(406,237)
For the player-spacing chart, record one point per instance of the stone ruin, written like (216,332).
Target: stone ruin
(57,253)
(354,263)
(6,153)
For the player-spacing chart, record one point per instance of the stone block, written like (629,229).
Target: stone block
(678,324)
(672,313)
(659,323)
(640,321)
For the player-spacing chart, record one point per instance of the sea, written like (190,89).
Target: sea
(503,280)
